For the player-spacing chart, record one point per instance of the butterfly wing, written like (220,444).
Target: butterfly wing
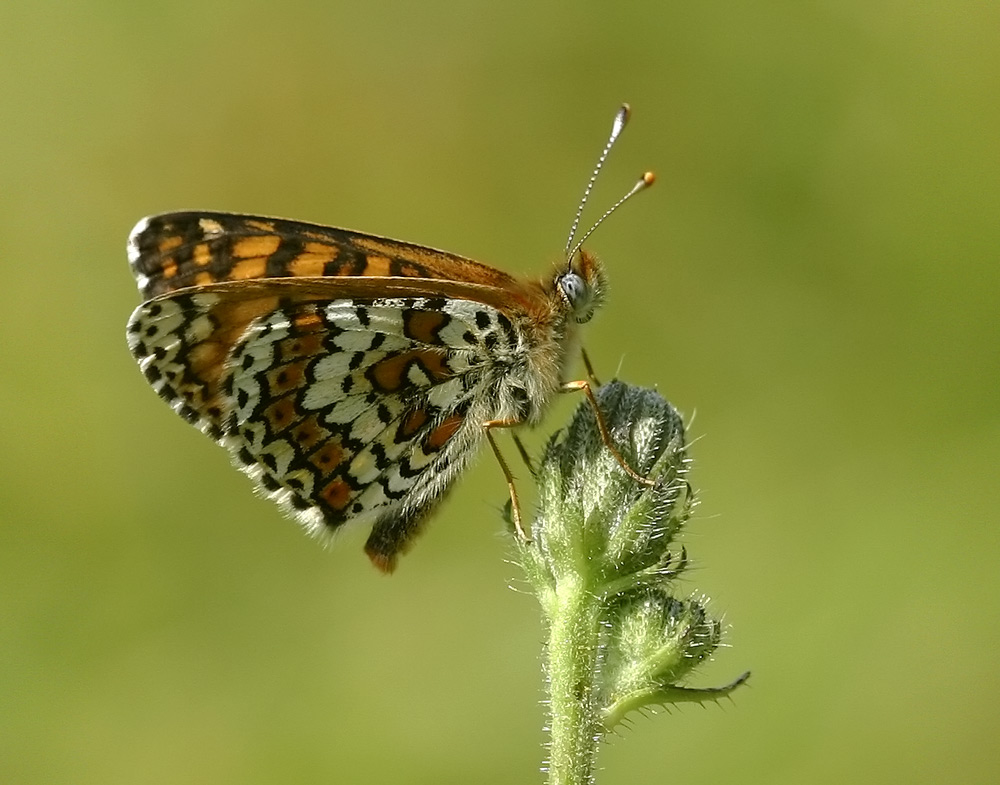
(340,405)
(349,375)
(176,250)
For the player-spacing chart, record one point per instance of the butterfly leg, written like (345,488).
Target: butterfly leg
(524,454)
(590,368)
(515,507)
(585,387)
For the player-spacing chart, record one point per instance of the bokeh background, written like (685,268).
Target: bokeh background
(815,274)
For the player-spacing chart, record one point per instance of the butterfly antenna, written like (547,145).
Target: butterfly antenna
(620,119)
(645,181)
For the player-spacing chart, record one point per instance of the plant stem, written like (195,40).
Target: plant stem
(572,657)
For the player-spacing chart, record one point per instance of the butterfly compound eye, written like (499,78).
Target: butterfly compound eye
(577,295)
(573,289)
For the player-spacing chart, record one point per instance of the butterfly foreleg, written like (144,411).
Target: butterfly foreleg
(515,506)
(585,387)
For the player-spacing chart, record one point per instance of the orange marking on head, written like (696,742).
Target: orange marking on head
(202,254)
(250,247)
(437,438)
(376,265)
(328,457)
(337,494)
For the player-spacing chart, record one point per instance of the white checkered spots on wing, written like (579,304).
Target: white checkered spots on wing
(351,409)
(170,339)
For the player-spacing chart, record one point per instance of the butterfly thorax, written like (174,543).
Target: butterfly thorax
(547,326)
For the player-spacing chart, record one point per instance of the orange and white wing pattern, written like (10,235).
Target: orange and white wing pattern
(349,397)
(176,250)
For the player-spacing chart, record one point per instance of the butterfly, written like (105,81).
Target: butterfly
(351,376)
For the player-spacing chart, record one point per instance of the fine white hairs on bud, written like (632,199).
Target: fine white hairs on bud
(604,561)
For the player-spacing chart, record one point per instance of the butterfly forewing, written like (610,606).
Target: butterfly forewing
(177,250)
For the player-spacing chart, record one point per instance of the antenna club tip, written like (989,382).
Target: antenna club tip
(621,117)
(648,178)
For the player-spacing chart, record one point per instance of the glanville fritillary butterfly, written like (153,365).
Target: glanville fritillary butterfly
(353,377)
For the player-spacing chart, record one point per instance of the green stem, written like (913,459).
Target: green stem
(572,657)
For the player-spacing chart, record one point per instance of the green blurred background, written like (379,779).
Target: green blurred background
(815,274)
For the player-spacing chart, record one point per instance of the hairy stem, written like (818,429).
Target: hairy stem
(572,659)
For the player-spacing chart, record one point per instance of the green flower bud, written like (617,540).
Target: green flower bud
(603,561)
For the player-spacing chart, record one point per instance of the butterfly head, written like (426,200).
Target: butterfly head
(581,286)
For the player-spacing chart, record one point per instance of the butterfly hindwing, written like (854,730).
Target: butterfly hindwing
(343,409)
